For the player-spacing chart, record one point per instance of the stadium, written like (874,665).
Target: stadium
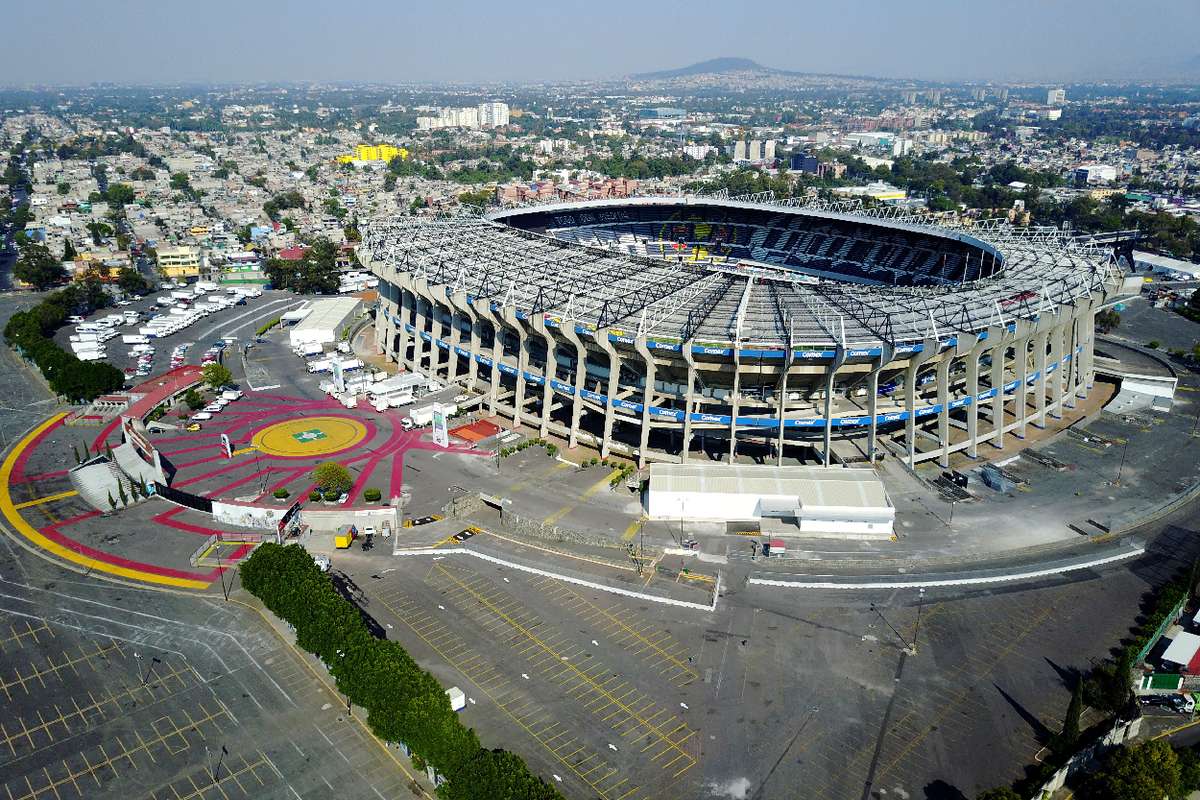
(699,327)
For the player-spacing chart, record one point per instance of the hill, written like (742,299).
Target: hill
(713,66)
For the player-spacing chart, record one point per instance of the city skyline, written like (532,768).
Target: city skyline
(144,43)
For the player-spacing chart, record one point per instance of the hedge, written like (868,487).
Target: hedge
(404,703)
(372,494)
(266,326)
(30,332)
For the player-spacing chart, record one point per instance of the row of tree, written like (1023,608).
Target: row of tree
(30,333)
(404,703)
(315,273)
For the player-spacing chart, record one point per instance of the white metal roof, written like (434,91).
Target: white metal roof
(1182,648)
(813,487)
(328,314)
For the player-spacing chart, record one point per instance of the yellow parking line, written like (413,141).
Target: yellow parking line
(18,523)
(250,449)
(588,492)
(50,498)
(632,530)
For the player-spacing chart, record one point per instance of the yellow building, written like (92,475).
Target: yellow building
(373,152)
(179,262)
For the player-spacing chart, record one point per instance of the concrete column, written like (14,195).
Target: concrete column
(789,358)
(886,352)
(483,309)
(1084,327)
(929,349)
(943,399)
(998,339)
(549,372)
(647,397)
(1040,343)
(1089,347)
(614,379)
(1021,393)
(689,401)
(509,315)
(839,359)
(463,312)
(568,330)
(1057,335)
(737,403)
(405,312)
(972,389)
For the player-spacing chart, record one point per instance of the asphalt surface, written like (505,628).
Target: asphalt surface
(845,694)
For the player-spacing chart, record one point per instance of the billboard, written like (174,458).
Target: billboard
(441,432)
(339,378)
(226,446)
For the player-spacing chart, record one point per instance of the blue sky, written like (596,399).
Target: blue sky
(80,41)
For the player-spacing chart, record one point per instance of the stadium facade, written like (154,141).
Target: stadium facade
(677,328)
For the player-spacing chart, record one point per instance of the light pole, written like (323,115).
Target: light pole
(917,628)
(1121,466)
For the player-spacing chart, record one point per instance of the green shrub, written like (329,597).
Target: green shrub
(314,495)
(551,450)
(404,703)
(331,495)
(280,493)
(266,326)
(372,495)
(1153,344)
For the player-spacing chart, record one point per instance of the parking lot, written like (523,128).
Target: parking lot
(240,321)
(196,700)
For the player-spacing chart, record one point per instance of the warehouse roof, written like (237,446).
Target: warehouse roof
(329,313)
(814,487)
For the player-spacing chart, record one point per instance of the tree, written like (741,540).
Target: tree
(132,282)
(119,194)
(1069,736)
(180,182)
(1147,771)
(98,230)
(999,793)
(315,273)
(38,267)
(192,399)
(69,251)
(1107,320)
(217,375)
(63,187)
(331,476)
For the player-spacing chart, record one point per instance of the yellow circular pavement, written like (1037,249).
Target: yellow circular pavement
(309,436)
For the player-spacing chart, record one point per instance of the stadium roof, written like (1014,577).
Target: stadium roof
(595,287)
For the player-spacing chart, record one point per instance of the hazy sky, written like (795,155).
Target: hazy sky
(161,41)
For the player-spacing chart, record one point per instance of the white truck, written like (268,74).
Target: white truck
(324,365)
(351,364)
(424,415)
(134,338)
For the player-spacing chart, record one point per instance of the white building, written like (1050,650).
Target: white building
(850,503)
(484,115)
(1088,174)
(326,321)
(1056,97)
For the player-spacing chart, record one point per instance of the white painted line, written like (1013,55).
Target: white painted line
(263,388)
(914,583)
(566,578)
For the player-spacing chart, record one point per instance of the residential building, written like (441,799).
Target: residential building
(179,262)
(1056,97)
